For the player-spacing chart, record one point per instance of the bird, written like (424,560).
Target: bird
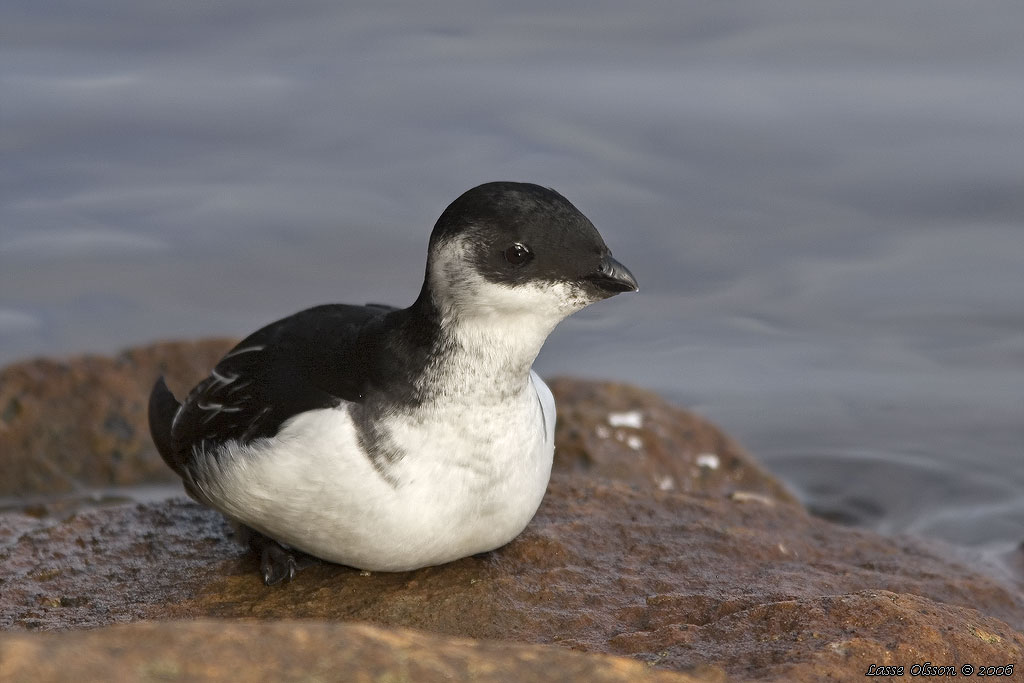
(390,439)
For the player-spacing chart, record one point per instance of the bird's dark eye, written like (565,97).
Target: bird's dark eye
(518,254)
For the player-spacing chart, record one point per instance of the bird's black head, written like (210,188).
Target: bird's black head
(511,246)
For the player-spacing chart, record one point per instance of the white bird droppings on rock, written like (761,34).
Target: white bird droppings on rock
(630,418)
(709,460)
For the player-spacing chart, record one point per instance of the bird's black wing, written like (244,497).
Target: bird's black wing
(313,359)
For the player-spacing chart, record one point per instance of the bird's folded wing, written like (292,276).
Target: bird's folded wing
(312,359)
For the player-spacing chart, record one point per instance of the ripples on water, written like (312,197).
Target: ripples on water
(822,203)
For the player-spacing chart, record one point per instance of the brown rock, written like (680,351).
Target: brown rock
(848,633)
(290,650)
(106,565)
(621,432)
(645,546)
(82,421)
(762,590)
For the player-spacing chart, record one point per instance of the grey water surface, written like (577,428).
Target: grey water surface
(823,202)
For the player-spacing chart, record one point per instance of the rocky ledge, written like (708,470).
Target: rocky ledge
(659,540)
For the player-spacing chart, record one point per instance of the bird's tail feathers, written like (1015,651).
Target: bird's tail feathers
(163,407)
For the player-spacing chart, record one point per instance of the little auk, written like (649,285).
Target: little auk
(390,439)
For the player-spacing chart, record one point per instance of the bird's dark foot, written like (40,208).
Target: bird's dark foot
(277,562)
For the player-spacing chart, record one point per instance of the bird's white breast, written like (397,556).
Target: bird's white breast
(471,478)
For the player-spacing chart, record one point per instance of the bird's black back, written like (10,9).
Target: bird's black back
(313,359)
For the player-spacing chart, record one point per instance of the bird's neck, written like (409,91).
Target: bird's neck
(482,357)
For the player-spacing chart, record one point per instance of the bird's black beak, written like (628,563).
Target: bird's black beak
(613,277)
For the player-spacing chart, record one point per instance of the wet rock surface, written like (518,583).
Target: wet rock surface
(678,581)
(659,539)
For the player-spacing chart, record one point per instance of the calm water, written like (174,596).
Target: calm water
(823,202)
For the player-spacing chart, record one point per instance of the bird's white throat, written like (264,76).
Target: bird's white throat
(493,331)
